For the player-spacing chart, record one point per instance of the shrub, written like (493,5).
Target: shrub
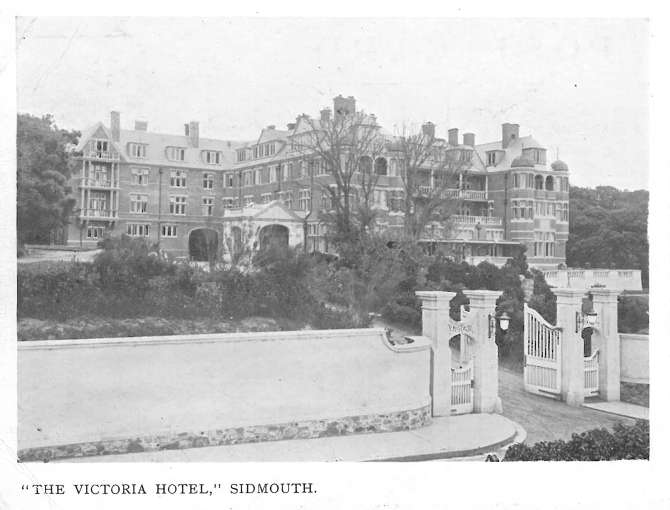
(625,442)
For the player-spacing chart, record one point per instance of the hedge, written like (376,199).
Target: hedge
(624,442)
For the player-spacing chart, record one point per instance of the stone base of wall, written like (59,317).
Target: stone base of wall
(311,429)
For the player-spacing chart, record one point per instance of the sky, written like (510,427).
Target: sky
(579,86)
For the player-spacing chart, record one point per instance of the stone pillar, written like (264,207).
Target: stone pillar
(607,332)
(568,303)
(485,351)
(435,317)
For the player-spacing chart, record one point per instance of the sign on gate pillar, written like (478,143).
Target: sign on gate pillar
(485,350)
(568,303)
(605,305)
(435,318)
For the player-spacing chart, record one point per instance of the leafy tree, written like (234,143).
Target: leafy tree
(428,172)
(43,168)
(608,229)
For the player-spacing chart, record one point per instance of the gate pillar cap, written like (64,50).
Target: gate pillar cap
(482,296)
(604,294)
(569,293)
(436,298)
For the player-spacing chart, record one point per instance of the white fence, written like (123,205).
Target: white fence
(542,354)
(591,375)
(461,389)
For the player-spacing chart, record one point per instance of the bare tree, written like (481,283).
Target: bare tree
(429,170)
(344,144)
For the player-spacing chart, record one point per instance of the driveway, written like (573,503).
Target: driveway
(546,419)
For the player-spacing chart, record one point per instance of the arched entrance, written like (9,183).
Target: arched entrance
(203,245)
(273,236)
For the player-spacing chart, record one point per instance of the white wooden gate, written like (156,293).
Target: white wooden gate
(542,354)
(591,375)
(461,389)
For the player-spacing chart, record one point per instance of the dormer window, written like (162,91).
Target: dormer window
(241,155)
(137,150)
(212,157)
(536,155)
(176,153)
(466,155)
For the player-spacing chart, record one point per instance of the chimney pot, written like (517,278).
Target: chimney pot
(325,115)
(115,125)
(290,126)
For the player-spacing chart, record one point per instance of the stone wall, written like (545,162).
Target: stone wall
(634,358)
(91,397)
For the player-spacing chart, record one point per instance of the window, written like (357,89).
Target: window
(138,229)
(230,203)
(248,178)
(241,155)
(169,231)
(99,175)
(229,180)
(490,158)
(139,204)
(208,206)
(178,179)
(516,179)
(95,232)
(304,199)
(207,181)
(137,150)
(176,153)
(212,157)
(256,152)
(97,200)
(101,145)
(248,200)
(545,244)
(539,182)
(178,205)
(287,198)
(139,176)
(266,198)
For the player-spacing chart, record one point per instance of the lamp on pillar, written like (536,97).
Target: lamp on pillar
(585,320)
(503,321)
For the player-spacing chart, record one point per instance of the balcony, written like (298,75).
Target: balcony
(109,214)
(101,155)
(87,182)
(457,194)
(473,220)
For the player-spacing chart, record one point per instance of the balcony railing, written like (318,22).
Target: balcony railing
(99,213)
(102,155)
(88,182)
(457,194)
(473,220)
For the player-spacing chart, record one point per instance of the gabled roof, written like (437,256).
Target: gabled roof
(158,142)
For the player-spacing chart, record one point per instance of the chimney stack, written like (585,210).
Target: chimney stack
(193,132)
(141,125)
(325,115)
(510,132)
(115,124)
(469,139)
(271,127)
(344,105)
(428,129)
(290,126)
(453,137)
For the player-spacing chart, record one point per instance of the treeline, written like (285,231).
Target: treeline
(608,229)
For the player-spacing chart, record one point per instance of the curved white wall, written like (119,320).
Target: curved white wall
(87,390)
